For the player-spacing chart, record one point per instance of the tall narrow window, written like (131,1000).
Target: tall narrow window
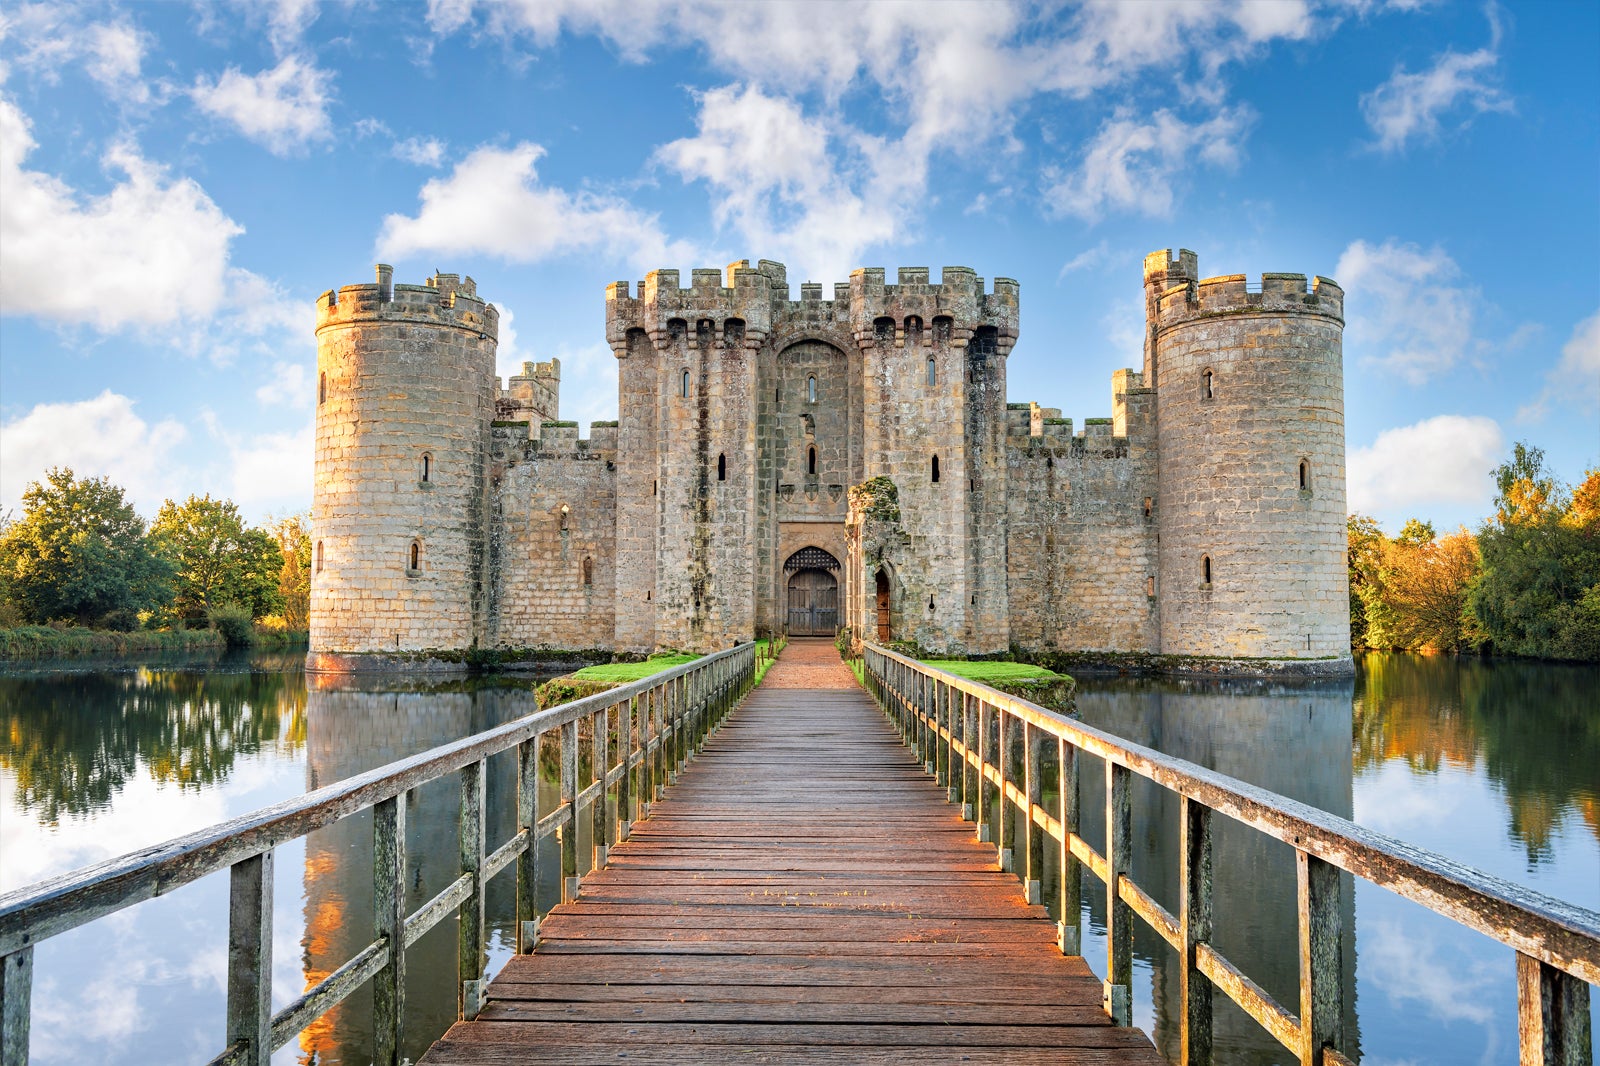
(588,571)
(1305,475)
(427,467)
(811,389)
(683,385)
(933,371)
(319,556)
(811,460)
(935,469)
(1205,569)
(1205,384)
(722,468)
(1150,586)
(655,486)
(1149,505)
(565,516)
(322,387)
(416,556)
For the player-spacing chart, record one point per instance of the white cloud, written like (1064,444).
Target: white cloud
(1130,164)
(1445,459)
(269,472)
(1409,106)
(102,437)
(150,251)
(494,204)
(1575,380)
(283,109)
(1089,257)
(1405,309)
(49,36)
(290,385)
(784,183)
(588,383)
(423,151)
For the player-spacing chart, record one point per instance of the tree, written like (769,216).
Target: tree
(218,559)
(79,552)
(1540,590)
(1427,584)
(1365,561)
(293,533)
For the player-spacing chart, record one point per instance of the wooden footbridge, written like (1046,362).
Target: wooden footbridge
(803,891)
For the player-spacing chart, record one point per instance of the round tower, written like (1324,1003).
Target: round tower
(1251,494)
(405,399)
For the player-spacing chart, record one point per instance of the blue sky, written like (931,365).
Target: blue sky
(179,181)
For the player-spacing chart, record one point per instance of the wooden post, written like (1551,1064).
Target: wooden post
(16,1005)
(1321,993)
(1552,1016)
(626,716)
(941,733)
(528,861)
(1119,916)
(250,958)
(599,725)
(469,946)
(972,794)
(1033,866)
(1194,920)
(1006,843)
(985,786)
(1071,869)
(569,800)
(389,922)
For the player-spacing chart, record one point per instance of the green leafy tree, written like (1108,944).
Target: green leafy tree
(218,559)
(1365,561)
(79,553)
(1540,590)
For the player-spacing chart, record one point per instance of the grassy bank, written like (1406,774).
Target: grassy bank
(1036,684)
(28,643)
(592,679)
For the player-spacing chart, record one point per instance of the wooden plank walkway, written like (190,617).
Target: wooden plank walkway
(804,892)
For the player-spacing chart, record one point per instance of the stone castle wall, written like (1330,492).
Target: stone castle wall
(746,419)
(1250,387)
(554,538)
(406,392)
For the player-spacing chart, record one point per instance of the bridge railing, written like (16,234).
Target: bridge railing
(658,723)
(989,748)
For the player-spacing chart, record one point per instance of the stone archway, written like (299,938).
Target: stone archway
(812,593)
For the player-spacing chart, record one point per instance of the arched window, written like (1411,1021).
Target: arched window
(935,469)
(913,331)
(942,328)
(588,571)
(1305,475)
(683,385)
(1150,586)
(883,330)
(1205,570)
(427,467)
(811,389)
(322,387)
(811,460)
(1205,384)
(416,555)
(565,516)
(319,556)
(933,371)
(733,333)
(1149,505)
(722,468)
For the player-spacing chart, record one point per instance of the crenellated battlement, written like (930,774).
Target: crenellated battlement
(758,297)
(443,300)
(1178,294)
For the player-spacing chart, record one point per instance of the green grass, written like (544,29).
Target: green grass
(622,673)
(46,642)
(991,672)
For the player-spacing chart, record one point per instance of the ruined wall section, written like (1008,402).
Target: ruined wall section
(1081,554)
(406,394)
(703,343)
(1251,438)
(555,537)
(926,396)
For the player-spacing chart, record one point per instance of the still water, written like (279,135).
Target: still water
(1496,765)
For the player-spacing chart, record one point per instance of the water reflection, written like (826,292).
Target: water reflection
(1293,740)
(1531,727)
(69,743)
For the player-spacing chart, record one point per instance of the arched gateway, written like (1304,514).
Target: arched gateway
(813,582)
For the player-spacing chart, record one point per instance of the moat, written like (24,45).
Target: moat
(1494,764)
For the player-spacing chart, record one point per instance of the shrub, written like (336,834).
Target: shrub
(120,620)
(233,623)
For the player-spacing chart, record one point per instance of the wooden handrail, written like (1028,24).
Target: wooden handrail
(661,721)
(965,732)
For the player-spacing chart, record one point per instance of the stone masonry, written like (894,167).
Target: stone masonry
(1203,520)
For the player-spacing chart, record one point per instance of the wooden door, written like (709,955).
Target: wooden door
(813,604)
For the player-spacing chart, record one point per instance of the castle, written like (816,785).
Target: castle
(803,465)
